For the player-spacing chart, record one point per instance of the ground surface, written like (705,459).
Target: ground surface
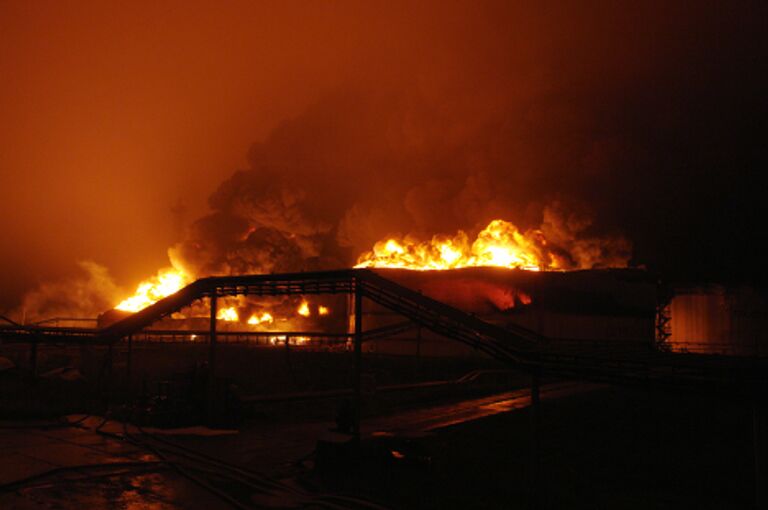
(603,448)
(454,446)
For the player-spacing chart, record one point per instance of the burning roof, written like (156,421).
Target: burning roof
(500,244)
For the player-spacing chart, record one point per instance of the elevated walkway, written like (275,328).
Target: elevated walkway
(515,346)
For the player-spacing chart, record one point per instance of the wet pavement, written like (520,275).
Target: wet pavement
(71,468)
(434,418)
(26,452)
(80,467)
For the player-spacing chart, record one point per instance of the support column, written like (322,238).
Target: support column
(357,377)
(288,357)
(758,442)
(212,338)
(33,358)
(129,366)
(418,352)
(110,363)
(108,376)
(534,467)
(211,400)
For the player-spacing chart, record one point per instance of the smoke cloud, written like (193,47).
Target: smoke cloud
(317,194)
(366,120)
(86,294)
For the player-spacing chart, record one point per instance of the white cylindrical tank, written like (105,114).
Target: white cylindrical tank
(716,320)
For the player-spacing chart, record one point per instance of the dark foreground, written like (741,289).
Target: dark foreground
(604,448)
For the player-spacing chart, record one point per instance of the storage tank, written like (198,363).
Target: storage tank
(611,305)
(718,320)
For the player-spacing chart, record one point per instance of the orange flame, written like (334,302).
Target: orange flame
(166,282)
(228,314)
(265,317)
(499,244)
(554,247)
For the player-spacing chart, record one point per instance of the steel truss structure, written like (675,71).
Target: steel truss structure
(515,346)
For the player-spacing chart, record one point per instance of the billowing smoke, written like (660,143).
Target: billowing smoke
(413,118)
(325,186)
(567,235)
(262,223)
(82,295)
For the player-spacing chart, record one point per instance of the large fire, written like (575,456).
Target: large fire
(228,314)
(264,318)
(169,281)
(166,282)
(499,244)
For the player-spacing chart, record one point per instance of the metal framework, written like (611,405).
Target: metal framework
(515,346)
(663,317)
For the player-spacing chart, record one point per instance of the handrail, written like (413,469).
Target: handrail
(516,345)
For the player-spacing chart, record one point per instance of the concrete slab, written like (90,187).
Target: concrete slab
(11,439)
(66,454)
(15,466)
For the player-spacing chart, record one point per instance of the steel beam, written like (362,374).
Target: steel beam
(759,445)
(33,358)
(515,346)
(129,365)
(358,353)
(535,462)
(211,389)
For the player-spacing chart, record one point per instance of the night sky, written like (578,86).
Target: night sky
(129,129)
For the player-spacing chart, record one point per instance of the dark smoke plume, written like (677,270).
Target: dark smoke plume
(424,118)
(325,186)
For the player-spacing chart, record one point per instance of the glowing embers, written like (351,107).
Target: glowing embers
(166,282)
(289,339)
(228,314)
(263,318)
